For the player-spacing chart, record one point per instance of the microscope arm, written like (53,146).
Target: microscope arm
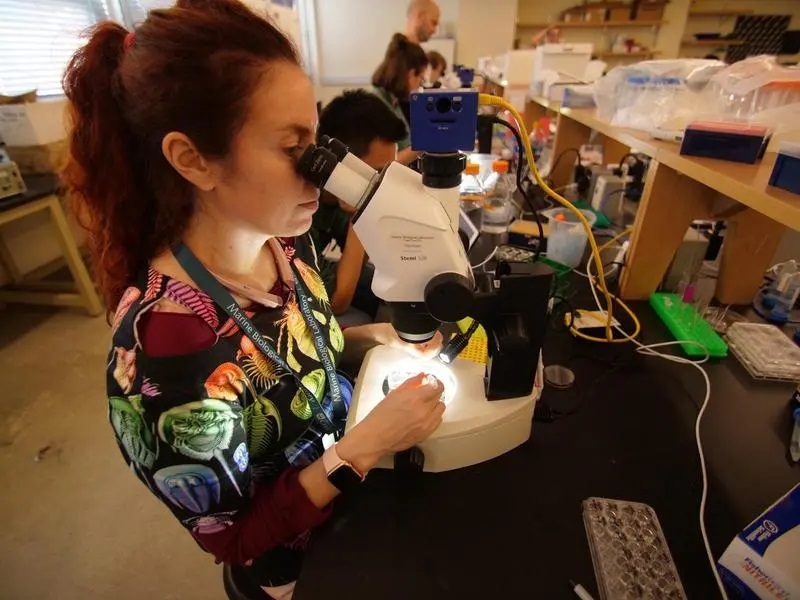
(421,268)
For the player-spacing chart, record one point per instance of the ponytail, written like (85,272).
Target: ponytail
(103,176)
(402,56)
(191,68)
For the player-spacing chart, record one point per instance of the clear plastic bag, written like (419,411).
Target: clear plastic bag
(654,93)
(760,91)
(669,94)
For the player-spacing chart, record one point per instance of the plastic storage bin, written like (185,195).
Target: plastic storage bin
(786,172)
(567,240)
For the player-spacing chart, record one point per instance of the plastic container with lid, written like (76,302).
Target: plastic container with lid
(472,194)
(497,209)
(567,240)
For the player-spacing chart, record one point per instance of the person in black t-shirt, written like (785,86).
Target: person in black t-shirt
(368,127)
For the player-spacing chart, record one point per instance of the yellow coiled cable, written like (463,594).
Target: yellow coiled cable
(490,100)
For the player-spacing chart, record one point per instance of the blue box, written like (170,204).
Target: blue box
(725,141)
(444,120)
(786,172)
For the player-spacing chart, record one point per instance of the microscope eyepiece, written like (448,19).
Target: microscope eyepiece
(335,146)
(316,165)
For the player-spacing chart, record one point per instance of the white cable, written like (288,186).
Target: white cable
(648,350)
(485,260)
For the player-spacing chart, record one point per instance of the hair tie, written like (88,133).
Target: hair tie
(128,41)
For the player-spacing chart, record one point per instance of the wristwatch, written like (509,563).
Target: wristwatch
(341,474)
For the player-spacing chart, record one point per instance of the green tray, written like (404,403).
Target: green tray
(602,221)
(685,324)
(561,270)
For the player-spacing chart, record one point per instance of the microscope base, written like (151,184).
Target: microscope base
(473,429)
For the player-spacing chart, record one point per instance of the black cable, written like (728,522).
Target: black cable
(626,157)
(560,156)
(520,162)
(457,343)
(570,310)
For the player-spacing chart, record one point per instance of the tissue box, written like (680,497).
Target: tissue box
(763,561)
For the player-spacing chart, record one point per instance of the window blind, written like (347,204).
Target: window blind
(37,39)
(138,9)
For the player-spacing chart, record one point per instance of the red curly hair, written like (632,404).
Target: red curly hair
(190,68)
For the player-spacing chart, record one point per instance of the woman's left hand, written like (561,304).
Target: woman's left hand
(386,334)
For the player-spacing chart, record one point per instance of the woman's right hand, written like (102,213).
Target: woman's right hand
(405,417)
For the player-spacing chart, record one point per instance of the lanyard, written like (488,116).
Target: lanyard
(222,298)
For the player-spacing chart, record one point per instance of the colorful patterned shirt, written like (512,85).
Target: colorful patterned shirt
(219,435)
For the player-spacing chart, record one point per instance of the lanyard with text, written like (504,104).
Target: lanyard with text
(222,297)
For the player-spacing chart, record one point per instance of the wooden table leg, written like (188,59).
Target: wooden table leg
(751,241)
(8,263)
(569,134)
(74,260)
(670,203)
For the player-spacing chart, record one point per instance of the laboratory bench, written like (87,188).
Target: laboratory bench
(42,197)
(678,190)
(512,527)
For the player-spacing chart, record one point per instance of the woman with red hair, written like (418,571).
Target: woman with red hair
(222,378)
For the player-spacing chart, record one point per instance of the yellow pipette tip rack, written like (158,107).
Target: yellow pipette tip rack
(477,350)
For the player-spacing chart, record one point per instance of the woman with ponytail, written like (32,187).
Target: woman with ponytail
(401,72)
(222,375)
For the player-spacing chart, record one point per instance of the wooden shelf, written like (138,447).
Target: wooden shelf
(639,54)
(714,43)
(719,13)
(590,25)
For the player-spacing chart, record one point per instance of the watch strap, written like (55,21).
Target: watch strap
(341,474)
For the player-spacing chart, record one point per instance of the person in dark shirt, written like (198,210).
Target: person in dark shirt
(400,73)
(370,129)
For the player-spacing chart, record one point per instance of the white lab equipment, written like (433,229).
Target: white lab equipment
(408,225)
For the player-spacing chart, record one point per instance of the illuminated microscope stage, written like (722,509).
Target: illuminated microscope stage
(473,429)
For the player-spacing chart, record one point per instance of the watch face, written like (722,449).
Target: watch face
(344,478)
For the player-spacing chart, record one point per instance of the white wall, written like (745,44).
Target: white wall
(350,36)
(480,27)
(484,28)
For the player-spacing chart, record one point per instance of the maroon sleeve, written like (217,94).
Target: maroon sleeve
(173,334)
(279,511)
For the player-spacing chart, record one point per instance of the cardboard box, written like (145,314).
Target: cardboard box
(620,13)
(33,124)
(595,14)
(573,15)
(649,11)
(763,561)
(34,160)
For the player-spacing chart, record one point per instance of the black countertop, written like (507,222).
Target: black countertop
(38,186)
(512,527)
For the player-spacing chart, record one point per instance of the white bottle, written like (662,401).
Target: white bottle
(472,195)
(497,209)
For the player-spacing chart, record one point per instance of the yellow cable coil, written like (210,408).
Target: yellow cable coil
(488,99)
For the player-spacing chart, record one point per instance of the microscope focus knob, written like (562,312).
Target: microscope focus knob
(449,297)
